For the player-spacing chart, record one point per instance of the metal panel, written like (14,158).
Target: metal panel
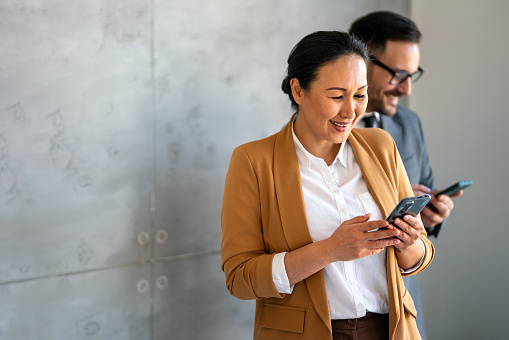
(107,304)
(191,302)
(75,136)
(117,122)
(218,77)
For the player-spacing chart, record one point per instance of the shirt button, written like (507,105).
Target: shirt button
(359,305)
(351,282)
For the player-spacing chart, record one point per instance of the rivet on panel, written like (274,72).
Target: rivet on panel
(161,282)
(143,238)
(161,236)
(143,286)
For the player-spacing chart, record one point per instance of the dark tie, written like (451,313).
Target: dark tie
(370,121)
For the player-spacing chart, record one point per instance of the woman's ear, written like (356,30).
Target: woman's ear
(297,91)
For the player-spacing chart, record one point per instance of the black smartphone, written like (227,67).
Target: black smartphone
(449,191)
(408,206)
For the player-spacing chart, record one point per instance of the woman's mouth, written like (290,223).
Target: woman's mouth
(342,125)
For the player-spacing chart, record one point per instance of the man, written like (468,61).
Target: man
(393,42)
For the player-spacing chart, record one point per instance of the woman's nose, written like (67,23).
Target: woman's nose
(348,109)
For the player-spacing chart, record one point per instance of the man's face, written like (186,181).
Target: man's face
(399,56)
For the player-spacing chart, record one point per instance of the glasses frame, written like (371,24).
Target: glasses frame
(403,75)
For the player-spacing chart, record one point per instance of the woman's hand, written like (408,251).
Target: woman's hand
(411,228)
(358,238)
(353,239)
(410,250)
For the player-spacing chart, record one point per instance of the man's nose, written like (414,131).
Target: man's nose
(405,88)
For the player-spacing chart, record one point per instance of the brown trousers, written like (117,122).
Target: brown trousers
(370,327)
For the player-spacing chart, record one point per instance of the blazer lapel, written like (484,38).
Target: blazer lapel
(379,185)
(289,190)
(292,210)
(378,182)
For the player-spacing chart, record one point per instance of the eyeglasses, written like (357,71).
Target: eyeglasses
(399,77)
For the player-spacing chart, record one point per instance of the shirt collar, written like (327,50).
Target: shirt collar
(305,157)
(373,113)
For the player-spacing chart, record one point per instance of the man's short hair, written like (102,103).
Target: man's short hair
(375,28)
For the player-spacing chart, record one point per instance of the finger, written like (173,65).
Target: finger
(413,222)
(422,189)
(444,206)
(413,228)
(409,231)
(430,217)
(403,226)
(390,232)
(446,200)
(385,242)
(358,219)
(372,225)
(458,194)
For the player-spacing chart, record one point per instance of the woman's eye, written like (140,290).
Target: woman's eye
(340,97)
(360,96)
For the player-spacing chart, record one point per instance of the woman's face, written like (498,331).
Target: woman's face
(330,107)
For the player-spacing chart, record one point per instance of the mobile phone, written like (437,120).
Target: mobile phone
(408,206)
(449,191)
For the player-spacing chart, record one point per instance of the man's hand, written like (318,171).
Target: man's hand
(438,208)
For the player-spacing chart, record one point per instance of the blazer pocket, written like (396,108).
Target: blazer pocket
(408,303)
(284,318)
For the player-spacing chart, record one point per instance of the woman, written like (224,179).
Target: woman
(302,211)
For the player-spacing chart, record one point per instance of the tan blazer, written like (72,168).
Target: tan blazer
(263,214)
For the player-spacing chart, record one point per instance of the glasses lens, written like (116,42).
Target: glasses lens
(417,75)
(400,76)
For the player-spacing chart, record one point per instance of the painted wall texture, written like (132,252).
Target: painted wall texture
(117,122)
(463,104)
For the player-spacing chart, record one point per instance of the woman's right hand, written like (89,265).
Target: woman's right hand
(353,239)
(359,237)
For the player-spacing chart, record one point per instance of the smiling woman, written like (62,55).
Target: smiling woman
(303,235)
(330,108)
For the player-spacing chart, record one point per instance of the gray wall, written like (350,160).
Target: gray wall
(463,103)
(117,121)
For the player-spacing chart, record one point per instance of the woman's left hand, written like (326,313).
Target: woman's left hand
(412,228)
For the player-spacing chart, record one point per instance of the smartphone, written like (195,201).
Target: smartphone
(449,191)
(408,206)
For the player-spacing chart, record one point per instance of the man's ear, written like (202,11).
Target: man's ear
(297,91)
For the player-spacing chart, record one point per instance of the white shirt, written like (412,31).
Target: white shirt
(332,195)
(361,124)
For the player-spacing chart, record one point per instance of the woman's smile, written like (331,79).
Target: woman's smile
(340,127)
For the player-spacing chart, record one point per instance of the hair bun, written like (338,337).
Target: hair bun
(285,86)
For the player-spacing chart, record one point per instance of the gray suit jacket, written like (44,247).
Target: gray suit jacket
(406,129)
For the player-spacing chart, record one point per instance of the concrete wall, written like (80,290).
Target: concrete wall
(463,103)
(117,122)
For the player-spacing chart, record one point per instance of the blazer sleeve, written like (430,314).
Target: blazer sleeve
(245,262)
(405,190)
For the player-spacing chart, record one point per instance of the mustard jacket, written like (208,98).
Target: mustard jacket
(263,214)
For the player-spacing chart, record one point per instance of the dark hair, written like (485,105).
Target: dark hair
(376,28)
(315,50)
